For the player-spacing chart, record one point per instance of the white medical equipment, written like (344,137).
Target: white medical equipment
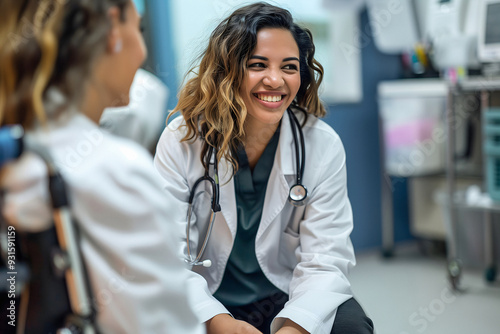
(489,31)
(143,119)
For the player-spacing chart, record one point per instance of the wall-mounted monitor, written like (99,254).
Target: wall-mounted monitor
(489,31)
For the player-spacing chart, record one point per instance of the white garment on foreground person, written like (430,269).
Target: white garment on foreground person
(310,264)
(128,245)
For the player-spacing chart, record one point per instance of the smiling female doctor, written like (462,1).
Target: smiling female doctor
(250,144)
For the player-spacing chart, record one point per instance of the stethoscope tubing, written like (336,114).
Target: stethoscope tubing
(215,207)
(196,261)
(296,127)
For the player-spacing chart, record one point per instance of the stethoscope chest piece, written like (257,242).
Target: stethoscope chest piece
(297,195)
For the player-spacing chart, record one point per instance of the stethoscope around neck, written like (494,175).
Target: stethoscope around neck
(296,196)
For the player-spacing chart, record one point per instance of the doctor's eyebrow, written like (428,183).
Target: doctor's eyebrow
(266,59)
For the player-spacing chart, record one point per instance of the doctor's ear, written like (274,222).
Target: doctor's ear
(115,42)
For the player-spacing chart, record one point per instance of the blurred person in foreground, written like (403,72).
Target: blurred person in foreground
(62,62)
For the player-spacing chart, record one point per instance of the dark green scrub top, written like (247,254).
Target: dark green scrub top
(244,282)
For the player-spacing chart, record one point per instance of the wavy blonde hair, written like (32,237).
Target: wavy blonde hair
(210,102)
(44,44)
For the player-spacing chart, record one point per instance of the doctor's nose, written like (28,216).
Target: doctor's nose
(273,79)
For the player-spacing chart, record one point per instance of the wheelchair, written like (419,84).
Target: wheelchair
(44,284)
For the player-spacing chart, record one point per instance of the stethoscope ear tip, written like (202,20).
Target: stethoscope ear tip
(204,263)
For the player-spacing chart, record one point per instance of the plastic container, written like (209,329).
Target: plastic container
(412,116)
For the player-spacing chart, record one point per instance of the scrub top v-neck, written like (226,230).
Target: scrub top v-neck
(244,282)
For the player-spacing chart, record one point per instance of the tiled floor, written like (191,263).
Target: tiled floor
(409,294)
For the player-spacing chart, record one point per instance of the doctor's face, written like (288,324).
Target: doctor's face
(273,76)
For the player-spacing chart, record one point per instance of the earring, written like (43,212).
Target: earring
(118,46)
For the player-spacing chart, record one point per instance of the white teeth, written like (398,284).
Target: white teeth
(269,98)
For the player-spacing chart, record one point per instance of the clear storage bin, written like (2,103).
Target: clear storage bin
(413,124)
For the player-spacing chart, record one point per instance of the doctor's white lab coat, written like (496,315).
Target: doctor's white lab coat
(305,251)
(138,282)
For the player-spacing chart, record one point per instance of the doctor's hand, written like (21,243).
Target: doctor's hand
(225,324)
(290,327)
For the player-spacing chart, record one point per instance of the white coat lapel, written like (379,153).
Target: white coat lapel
(277,186)
(227,198)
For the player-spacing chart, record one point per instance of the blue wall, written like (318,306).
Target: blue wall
(357,125)
(162,49)
(140,5)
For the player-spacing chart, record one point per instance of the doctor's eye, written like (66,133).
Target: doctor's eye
(256,65)
(292,67)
